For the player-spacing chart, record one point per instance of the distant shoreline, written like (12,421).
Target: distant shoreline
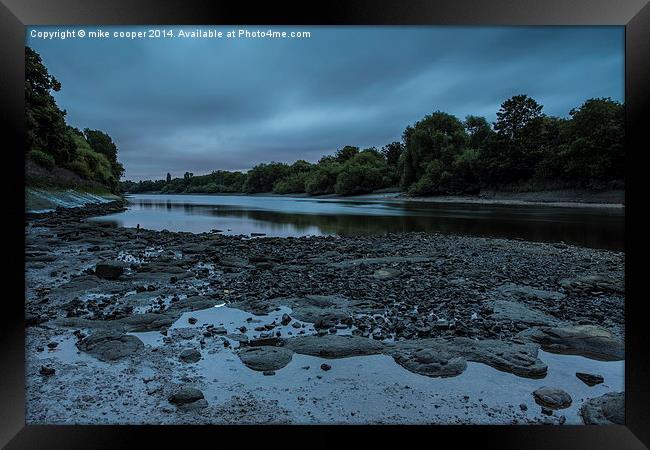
(569,198)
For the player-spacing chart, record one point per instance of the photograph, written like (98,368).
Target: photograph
(324,224)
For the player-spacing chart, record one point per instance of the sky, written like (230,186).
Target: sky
(202,104)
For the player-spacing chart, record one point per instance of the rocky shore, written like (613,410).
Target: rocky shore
(129,325)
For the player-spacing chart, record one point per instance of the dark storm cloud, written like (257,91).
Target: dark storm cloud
(199,105)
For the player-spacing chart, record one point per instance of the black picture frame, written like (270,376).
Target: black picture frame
(15,15)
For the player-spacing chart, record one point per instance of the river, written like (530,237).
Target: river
(282,216)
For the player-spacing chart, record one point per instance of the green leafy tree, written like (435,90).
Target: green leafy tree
(47,131)
(345,153)
(595,151)
(437,137)
(262,177)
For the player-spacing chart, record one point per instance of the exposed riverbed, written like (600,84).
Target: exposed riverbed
(143,326)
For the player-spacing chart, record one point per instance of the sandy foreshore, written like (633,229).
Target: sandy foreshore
(139,326)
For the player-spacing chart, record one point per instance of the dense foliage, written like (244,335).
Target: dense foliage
(441,154)
(52,143)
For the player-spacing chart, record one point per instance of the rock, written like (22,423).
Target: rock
(334,346)
(192,320)
(265,358)
(325,367)
(110,345)
(590,379)
(552,398)
(109,270)
(186,395)
(607,409)
(147,322)
(586,340)
(268,373)
(594,282)
(521,292)
(432,363)
(286,319)
(519,359)
(523,407)
(52,345)
(547,411)
(505,310)
(265,341)
(190,355)
(47,371)
(234,261)
(386,273)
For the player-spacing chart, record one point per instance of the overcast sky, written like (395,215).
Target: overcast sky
(174,105)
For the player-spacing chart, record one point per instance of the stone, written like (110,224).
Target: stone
(334,346)
(47,371)
(110,345)
(589,379)
(608,409)
(505,310)
(552,398)
(147,322)
(430,362)
(109,270)
(386,273)
(186,395)
(190,355)
(286,319)
(265,358)
(325,367)
(585,340)
(192,320)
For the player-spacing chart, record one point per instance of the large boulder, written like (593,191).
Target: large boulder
(147,322)
(552,398)
(188,398)
(585,340)
(518,312)
(516,358)
(110,345)
(334,346)
(430,362)
(265,358)
(190,355)
(109,270)
(607,409)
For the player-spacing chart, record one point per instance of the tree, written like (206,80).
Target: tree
(479,131)
(345,153)
(595,150)
(363,173)
(262,177)
(47,131)
(516,115)
(392,152)
(169,177)
(437,137)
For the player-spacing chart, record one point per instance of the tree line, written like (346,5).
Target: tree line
(441,154)
(53,144)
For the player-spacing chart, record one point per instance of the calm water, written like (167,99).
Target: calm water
(282,216)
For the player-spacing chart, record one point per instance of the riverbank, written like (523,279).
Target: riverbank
(401,328)
(567,198)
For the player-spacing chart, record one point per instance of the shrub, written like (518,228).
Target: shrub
(42,159)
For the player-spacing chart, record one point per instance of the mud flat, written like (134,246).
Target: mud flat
(138,326)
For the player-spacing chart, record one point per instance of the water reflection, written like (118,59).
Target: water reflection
(281,216)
